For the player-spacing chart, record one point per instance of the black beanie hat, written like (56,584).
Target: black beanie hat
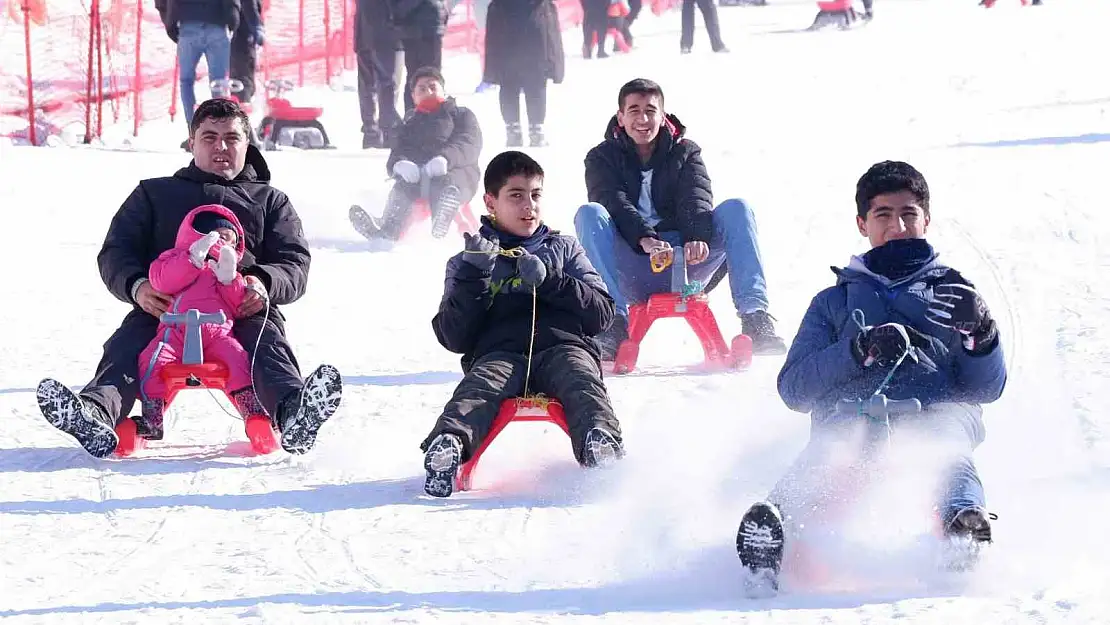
(207,221)
(890,177)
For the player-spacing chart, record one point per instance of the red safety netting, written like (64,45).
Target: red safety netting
(91,63)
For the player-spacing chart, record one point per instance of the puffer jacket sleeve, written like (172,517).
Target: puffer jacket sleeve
(464,147)
(695,197)
(283,261)
(605,186)
(818,363)
(466,298)
(125,255)
(579,289)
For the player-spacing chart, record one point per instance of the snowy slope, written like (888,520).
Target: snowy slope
(1005,113)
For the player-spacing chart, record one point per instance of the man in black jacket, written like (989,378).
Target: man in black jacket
(225,170)
(244,47)
(435,158)
(649,190)
(522,304)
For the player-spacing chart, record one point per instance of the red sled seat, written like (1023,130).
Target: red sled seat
(694,308)
(516,409)
(210,375)
(421,212)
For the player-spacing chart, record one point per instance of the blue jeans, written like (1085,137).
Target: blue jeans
(627,271)
(196,39)
(817,479)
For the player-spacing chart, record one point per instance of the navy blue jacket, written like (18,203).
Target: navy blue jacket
(820,368)
(573,305)
(680,189)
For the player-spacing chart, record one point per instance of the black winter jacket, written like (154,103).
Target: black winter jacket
(680,187)
(219,12)
(146,225)
(452,132)
(523,43)
(419,19)
(573,305)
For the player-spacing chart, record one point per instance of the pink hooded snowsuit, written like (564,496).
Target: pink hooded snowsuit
(172,273)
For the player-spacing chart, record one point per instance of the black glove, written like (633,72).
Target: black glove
(884,345)
(172,32)
(481,252)
(960,308)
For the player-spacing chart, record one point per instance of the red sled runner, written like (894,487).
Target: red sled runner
(512,410)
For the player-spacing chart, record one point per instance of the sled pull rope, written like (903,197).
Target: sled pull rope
(518,252)
(860,320)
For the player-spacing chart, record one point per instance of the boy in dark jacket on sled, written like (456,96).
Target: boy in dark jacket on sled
(523,304)
(435,158)
(900,322)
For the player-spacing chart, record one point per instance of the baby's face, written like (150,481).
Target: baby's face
(227,235)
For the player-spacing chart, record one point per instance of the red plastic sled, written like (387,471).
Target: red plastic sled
(421,212)
(517,409)
(210,375)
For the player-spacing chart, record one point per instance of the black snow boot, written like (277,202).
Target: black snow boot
(600,449)
(83,420)
(971,522)
(760,545)
(302,413)
(444,209)
(759,326)
(441,462)
(611,339)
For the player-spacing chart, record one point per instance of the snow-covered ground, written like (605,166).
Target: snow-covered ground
(1003,110)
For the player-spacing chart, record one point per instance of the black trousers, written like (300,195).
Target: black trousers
(595,22)
(115,387)
(567,373)
(712,24)
(377,87)
(420,52)
(244,61)
(534,89)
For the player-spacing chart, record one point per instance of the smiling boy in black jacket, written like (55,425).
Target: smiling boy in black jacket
(487,315)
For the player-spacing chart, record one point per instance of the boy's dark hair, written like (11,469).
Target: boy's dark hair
(219,109)
(506,165)
(642,86)
(426,72)
(890,177)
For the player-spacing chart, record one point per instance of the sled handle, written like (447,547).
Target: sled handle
(878,407)
(193,351)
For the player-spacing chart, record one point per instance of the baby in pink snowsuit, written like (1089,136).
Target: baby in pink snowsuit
(201,271)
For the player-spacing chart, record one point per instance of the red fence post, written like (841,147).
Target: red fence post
(327,41)
(89,79)
(138,85)
(99,72)
(26,8)
(300,44)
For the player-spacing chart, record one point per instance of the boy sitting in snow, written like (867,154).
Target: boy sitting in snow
(895,307)
(436,158)
(517,277)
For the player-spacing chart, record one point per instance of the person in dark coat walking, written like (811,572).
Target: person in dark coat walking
(377,42)
(524,49)
(227,170)
(898,322)
(244,47)
(420,26)
(518,279)
(435,158)
(712,25)
(649,190)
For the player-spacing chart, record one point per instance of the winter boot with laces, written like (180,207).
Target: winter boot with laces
(150,424)
(444,210)
(610,340)
(600,449)
(974,523)
(536,138)
(514,136)
(441,462)
(760,328)
(303,412)
(760,545)
(83,420)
